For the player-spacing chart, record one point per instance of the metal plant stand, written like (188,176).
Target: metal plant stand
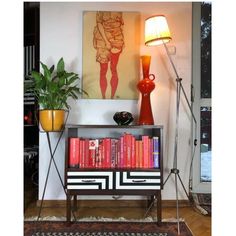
(52,153)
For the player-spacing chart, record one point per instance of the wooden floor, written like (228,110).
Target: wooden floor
(199,224)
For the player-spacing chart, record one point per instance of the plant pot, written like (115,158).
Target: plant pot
(52,120)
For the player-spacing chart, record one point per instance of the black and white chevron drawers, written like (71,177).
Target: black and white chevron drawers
(113,180)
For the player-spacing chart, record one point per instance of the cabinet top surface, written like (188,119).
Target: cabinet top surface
(115,126)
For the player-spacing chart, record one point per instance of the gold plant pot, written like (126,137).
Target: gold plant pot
(52,120)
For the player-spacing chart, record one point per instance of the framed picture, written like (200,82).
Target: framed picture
(111,60)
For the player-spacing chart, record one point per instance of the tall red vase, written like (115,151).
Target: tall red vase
(146,86)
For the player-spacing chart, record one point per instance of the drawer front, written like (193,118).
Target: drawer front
(138,180)
(89,180)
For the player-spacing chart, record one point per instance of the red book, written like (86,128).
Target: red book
(99,154)
(74,152)
(136,154)
(82,154)
(118,154)
(93,144)
(127,150)
(121,161)
(113,152)
(107,153)
(103,153)
(86,152)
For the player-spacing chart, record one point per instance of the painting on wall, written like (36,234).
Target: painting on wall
(111,57)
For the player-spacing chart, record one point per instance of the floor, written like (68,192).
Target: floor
(199,224)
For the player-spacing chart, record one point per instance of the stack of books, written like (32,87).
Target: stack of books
(126,151)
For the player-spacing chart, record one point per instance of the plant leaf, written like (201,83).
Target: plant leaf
(60,66)
(47,73)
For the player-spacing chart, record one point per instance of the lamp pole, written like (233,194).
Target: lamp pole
(175,170)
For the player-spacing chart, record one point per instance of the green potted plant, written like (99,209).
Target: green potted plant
(52,88)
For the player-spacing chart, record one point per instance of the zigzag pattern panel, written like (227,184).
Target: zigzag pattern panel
(138,180)
(89,180)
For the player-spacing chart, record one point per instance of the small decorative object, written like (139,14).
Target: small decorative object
(123,118)
(146,86)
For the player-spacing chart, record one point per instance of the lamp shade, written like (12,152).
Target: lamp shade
(156,30)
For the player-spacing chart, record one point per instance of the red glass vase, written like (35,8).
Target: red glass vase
(146,86)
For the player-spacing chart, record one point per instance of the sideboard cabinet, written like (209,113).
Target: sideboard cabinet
(116,178)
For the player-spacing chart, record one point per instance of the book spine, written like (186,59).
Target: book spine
(136,154)
(150,153)
(81,154)
(100,150)
(107,153)
(140,154)
(103,153)
(74,152)
(146,150)
(128,150)
(97,154)
(133,152)
(122,152)
(86,152)
(113,152)
(93,144)
(156,163)
(118,154)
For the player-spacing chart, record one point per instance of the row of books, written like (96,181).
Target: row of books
(124,152)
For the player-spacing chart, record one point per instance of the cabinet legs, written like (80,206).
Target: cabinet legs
(159,208)
(150,205)
(75,206)
(68,208)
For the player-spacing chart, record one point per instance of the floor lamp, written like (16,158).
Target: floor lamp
(156,33)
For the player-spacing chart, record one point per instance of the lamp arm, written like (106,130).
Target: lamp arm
(179,80)
(171,61)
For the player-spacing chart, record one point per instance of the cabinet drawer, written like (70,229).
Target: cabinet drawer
(138,180)
(89,180)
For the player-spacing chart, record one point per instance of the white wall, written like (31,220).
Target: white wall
(61,35)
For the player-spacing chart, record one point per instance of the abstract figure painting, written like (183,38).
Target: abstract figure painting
(111,63)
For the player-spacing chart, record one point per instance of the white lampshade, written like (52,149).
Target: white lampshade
(156,30)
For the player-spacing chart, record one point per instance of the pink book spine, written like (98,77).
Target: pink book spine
(145,140)
(122,152)
(128,150)
(140,153)
(133,152)
(118,154)
(136,154)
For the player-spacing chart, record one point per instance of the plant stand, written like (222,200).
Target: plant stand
(52,153)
